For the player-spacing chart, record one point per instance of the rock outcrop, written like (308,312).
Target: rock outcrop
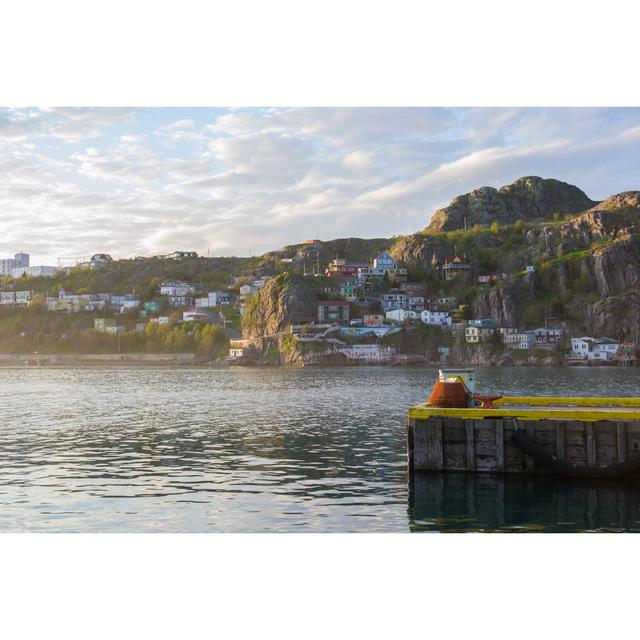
(281,302)
(529,198)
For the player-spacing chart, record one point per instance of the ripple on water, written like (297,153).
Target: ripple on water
(263,450)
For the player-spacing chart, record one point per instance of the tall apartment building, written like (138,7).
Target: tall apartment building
(19,261)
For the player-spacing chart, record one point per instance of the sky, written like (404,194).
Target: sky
(242,181)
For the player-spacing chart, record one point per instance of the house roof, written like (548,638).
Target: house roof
(333,302)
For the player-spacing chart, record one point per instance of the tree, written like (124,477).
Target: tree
(518,227)
(495,227)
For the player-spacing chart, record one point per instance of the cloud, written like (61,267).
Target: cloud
(143,181)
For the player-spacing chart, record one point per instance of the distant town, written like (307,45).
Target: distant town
(359,308)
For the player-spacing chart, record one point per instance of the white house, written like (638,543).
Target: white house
(439,318)
(248,289)
(522,340)
(586,348)
(401,315)
(193,315)
(176,289)
(373,353)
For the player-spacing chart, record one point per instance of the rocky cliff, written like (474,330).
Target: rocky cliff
(281,302)
(527,198)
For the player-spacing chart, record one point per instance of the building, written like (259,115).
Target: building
(102,324)
(340,267)
(530,269)
(126,302)
(455,267)
(15,298)
(175,288)
(368,353)
(215,299)
(181,301)
(438,318)
(586,348)
(333,311)
(490,278)
(520,340)
(383,264)
(477,334)
(544,336)
(180,255)
(19,261)
(154,306)
(100,260)
(505,331)
(194,315)
(413,288)
(484,323)
(33,272)
(401,315)
(248,289)
(373,320)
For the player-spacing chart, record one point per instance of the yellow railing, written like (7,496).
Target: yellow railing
(541,408)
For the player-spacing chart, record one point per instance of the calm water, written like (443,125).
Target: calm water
(137,450)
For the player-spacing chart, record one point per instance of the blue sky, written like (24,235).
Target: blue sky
(136,181)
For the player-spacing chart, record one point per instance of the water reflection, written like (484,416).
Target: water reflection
(243,450)
(483,502)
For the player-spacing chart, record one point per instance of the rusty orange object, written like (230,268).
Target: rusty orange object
(486,402)
(451,395)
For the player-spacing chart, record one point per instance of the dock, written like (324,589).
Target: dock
(583,437)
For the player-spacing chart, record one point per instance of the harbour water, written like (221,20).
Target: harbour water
(278,450)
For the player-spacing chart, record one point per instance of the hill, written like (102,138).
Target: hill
(529,198)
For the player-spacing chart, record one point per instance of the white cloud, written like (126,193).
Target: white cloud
(130,182)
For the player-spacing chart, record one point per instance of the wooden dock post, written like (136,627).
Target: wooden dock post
(483,445)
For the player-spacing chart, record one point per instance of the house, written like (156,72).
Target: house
(586,348)
(194,315)
(215,299)
(100,260)
(438,318)
(180,255)
(490,278)
(401,315)
(529,269)
(456,266)
(505,331)
(521,340)
(372,320)
(449,302)
(397,299)
(545,336)
(175,288)
(15,298)
(368,353)
(413,288)
(126,302)
(181,301)
(102,324)
(333,311)
(484,323)
(152,307)
(477,334)
(394,299)
(383,264)
(340,267)
(248,289)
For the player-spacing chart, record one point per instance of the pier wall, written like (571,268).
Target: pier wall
(485,446)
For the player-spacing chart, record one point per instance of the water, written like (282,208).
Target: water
(297,450)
